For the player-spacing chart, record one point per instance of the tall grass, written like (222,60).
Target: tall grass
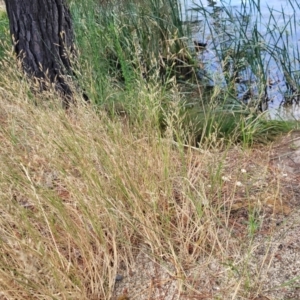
(82,195)
(85,193)
(135,47)
(128,40)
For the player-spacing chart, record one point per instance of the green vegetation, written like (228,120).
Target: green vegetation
(154,166)
(4,29)
(144,47)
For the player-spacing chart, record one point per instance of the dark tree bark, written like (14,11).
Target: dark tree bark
(43,39)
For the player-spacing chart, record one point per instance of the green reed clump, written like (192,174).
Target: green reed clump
(132,48)
(251,41)
(129,41)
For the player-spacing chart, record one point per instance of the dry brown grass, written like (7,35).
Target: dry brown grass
(85,197)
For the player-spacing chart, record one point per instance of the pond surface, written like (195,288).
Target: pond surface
(189,7)
(270,27)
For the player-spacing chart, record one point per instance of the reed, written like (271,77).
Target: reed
(145,46)
(250,46)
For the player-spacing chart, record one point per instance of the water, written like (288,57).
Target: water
(189,7)
(263,34)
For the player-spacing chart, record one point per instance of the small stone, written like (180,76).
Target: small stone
(225,178)
(119,277)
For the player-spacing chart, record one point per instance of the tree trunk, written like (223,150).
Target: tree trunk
(43,39)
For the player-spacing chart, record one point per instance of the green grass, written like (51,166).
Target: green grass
(140,47)
(4,32)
